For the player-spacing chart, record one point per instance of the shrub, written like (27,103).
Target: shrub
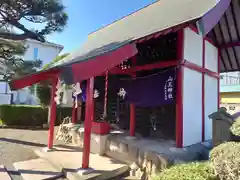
(44,87)
(191,171)
(235,128)
(23,115)
(226,160)
(44,93)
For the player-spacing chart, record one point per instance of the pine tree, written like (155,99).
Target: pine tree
(13,16)
(49,13)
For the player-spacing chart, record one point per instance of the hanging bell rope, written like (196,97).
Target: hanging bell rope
(105,96)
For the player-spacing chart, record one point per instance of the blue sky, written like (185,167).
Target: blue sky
(86,16)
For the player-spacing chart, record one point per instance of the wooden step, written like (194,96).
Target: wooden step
(37,169)
(131,178)
(4,174)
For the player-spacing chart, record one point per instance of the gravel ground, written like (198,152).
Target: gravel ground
(17,145)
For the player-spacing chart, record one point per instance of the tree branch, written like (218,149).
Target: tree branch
(51,12)
(20,37)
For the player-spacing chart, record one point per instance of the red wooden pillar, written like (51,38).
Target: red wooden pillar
(132,107)
(203,92)
(52,114)
(132,117)
(88,122)
(93,111)
(179,91)
(74,113)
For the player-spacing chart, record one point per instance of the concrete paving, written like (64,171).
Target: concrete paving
(4,174)
(37,169)
(69,161)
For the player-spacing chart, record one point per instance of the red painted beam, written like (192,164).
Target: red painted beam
(200,69)
(29,80)
(203,92)
(52,113)
(229,45)
(144,67)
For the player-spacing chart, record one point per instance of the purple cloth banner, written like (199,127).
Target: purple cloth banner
(151,91)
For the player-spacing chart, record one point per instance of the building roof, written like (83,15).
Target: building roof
(153,19)
(47,43)
(230,88)
(156,17)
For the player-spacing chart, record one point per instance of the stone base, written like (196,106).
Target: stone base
(130,137)
(46,149)
(98,142)
(83,172)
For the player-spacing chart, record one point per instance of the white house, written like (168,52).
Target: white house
(43,51)
(36,51)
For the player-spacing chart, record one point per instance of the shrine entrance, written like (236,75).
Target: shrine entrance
(150,91)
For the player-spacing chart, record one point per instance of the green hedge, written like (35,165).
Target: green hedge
(191,171)
(24,115)
(235,128)
(226,160)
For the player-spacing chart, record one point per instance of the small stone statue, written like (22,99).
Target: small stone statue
(134,167)
(222,114)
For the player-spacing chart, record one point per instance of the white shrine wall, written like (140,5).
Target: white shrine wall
(192,107)
(193,46)
(211,87)
(192,89)
(193,121)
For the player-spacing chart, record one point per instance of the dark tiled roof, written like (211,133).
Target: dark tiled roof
(227,33)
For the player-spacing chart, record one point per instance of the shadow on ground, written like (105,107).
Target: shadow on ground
(34,144)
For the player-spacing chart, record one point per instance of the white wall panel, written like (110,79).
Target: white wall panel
(193,45)
(192,107)
(5,98)
(211,57)
(211,100)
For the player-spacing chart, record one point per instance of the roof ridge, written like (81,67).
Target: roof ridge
(140,9)
(46,43)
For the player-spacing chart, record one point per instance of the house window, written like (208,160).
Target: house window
(35,54)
